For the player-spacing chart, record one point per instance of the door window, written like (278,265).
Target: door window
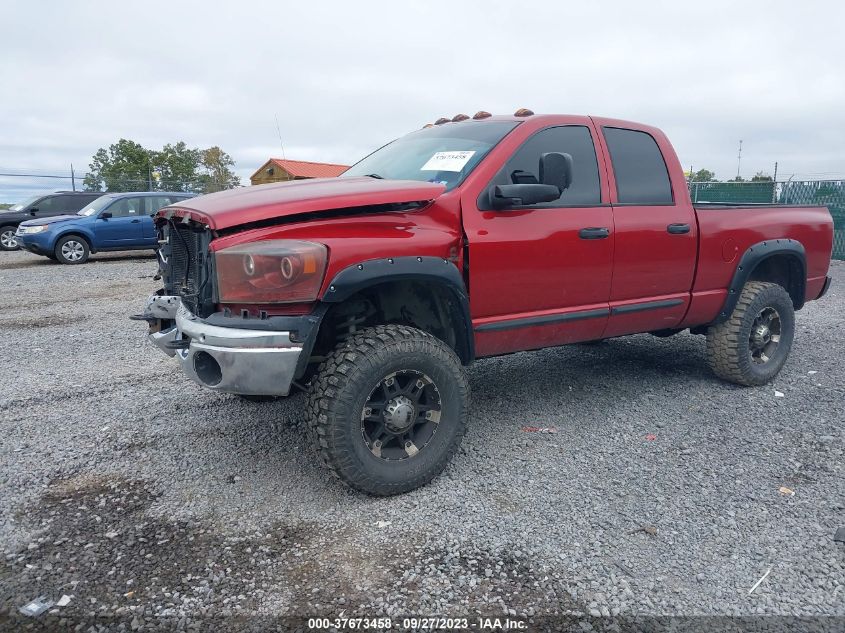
(127,207)
(157,202)
(641,174)
(575,140)
(72,204)
(48,206)
(80,202)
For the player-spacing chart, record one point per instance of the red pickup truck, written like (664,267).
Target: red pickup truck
(471,237)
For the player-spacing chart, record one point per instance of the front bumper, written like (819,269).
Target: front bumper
(233,360)
(37,243)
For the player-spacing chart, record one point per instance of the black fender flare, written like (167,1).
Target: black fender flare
(355,278)
(753,257)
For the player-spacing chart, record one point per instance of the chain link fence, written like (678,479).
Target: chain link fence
(828,193)
(15,187)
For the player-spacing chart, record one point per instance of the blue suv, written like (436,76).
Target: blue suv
(113,222)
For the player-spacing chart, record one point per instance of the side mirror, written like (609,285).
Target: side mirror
(33,211)
(105,215)
(556,169)
(503,196)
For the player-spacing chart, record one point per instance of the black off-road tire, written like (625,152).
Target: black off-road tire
(729,343)
(8,233)
(84,250)
(342,388)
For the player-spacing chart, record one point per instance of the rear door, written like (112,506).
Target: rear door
(656,233)
(540,275)
(72,204)
(123,228)
(148,229)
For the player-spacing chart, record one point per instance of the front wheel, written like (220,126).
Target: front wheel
(72,249)
(751,347)
(8,242)
(388,409)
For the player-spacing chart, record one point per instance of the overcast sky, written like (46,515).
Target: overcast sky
(346,77)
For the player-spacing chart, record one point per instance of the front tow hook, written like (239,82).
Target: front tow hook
(183,343)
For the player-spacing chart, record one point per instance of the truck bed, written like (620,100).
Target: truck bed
(725,236)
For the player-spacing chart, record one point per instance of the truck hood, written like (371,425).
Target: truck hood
(50,220)
(296,197)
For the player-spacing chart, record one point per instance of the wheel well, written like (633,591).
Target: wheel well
(76,234)
(428,306)
(785,270)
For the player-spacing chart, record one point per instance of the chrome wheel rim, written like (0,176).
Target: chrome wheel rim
(401,415)
(765,336)
(7,239)
(72,250)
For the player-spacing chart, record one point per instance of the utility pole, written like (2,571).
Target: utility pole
(775,184)
(72,178)
(739,160)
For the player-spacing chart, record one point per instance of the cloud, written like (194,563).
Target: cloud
(344,78)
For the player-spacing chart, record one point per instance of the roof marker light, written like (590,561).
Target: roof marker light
(481,114)
(441,121)
(459,117)
(523,112)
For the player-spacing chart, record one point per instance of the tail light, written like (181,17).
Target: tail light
(272,271)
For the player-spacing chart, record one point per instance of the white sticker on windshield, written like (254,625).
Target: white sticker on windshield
(447,161)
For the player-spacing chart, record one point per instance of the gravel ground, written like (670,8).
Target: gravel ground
(154,503)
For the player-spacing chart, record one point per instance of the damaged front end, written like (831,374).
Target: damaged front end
(252,360)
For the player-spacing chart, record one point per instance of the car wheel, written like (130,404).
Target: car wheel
(388,409)
(8,242)
(751,347)
(72,249)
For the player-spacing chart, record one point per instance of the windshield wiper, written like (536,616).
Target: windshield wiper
(374,176)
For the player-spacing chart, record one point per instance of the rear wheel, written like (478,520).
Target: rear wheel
(72,249)
(752,346)
(388,409)
(7,238)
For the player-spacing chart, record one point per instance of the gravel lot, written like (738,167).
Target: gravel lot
(155,503)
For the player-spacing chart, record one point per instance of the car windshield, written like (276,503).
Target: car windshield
(23,205)
(95,207)
(442,153)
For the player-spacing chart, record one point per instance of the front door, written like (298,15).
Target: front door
(123,227)
(540,275)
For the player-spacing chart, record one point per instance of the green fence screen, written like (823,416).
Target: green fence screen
(829,193)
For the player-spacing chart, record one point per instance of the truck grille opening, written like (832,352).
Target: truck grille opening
(186,271)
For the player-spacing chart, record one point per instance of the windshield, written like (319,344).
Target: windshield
(442,153)
(95,207)
(23,205)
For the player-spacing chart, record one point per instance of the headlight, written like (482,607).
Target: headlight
(272,271)
(29,230)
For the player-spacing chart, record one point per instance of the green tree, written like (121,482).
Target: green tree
(124,166)
(703,175)
(217,166)
(127,166)
(737,179)
(761,177)
(176,167)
